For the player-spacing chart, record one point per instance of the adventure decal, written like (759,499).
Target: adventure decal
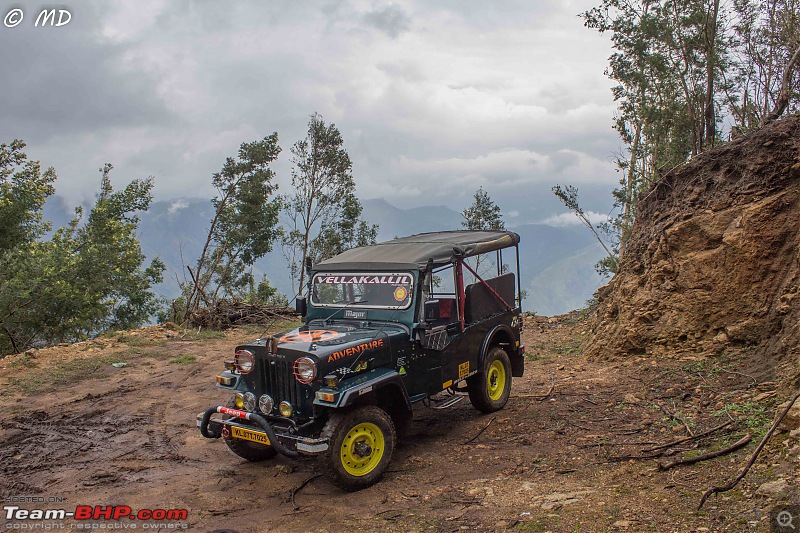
(353,350)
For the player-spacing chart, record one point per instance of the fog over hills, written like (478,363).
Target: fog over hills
(556,262)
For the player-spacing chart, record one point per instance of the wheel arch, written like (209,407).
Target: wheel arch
(386,391)
(503,336)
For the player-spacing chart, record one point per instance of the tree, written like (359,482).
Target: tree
(608,265)
(483,214)
(765,80)
(88,278)
(24,188)
(323,213)
(689,73)
(243,229)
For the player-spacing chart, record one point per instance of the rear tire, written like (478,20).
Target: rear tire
(360,447)
(249,451)
(489,389)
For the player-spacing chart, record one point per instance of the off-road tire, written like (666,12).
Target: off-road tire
(249,451)
(489,389)
(369,425)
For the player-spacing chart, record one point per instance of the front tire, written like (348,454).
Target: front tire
(360,447)
(489,389)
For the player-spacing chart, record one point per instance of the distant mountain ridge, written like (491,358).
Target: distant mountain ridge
(556,263)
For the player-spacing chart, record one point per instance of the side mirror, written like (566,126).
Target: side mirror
(301,306)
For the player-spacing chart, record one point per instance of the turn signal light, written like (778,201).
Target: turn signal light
(325,396)
(226,380)
(230,364)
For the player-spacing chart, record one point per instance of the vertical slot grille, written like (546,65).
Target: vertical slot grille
(278,381)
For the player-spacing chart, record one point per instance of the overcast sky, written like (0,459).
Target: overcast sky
(434,99)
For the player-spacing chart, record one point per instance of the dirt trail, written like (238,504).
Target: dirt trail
(73,426)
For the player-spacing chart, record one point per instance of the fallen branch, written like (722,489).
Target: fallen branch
(746,469)
(706,456)
(299,488)
(539,396)
(755,382)
(481,431)
(685,439)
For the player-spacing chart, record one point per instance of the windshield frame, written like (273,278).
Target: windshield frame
(410,287)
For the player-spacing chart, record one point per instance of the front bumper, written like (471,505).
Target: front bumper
(288,444)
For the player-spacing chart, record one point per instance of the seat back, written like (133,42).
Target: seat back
(481,303)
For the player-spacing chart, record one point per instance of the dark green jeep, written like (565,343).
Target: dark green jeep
(385,326)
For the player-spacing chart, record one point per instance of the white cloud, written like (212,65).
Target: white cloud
(433,99)
(176,206)
(571,219)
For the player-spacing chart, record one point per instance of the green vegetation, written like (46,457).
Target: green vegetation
(243,229)
(323,213)
(60,373)
(183,360)
(753,415)
(89,277)
(689,75)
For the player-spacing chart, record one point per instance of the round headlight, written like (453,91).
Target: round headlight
(244,361)
(265,404)
(286,409)
(305,370)
(249,401)
(238,400)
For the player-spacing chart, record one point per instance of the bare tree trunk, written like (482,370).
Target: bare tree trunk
(782,102)
(711,65)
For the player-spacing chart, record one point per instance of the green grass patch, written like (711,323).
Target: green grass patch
(183,360)
(61,373)
(753,415)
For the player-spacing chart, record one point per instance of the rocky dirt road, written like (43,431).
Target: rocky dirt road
(77,430)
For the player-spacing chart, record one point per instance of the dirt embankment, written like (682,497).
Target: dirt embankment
(714,258)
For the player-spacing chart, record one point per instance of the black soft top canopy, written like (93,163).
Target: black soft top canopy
(413,252)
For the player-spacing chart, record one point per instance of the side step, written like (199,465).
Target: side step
(447,402)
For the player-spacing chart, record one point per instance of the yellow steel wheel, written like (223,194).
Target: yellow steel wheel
(496,380)
(362,449)
(490,387)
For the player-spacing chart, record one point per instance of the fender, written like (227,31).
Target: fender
(517,362)
(369,382)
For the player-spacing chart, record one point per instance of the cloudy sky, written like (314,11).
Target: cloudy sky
(434,99)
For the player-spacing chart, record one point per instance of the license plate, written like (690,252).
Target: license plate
(247,434)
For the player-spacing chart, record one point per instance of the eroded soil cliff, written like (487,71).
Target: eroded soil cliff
(713,260)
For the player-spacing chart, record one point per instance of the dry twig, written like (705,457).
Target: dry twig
(706,456)
(539,396)
(677,419)
(481,431)
(300,487)
(685,439)
(746,469)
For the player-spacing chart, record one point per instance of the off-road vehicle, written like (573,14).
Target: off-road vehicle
(415,319)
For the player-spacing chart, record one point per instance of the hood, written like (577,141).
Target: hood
(337,344)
